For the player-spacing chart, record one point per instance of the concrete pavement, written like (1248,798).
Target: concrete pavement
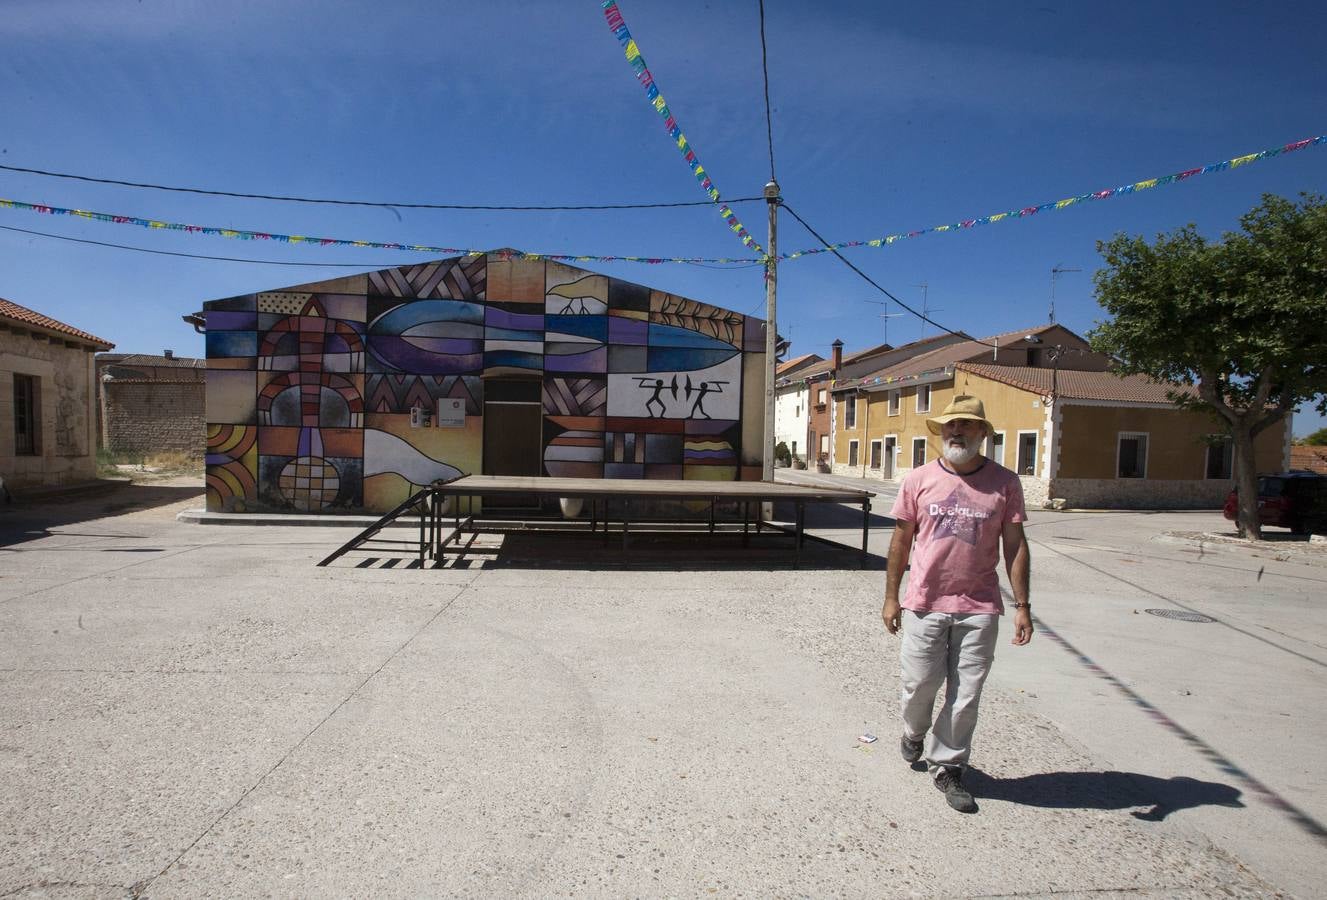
(196,710)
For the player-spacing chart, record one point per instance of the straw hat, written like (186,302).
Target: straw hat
(961,407)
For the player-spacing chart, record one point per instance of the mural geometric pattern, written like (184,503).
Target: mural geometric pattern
(344,379)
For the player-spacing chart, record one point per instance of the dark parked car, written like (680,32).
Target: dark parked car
(1294,500)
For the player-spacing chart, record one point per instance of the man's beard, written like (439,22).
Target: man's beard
(960,456)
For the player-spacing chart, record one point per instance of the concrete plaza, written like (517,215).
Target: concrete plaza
(194,710)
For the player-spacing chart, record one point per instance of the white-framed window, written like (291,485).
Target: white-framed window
(893,403)
(824,445)
(849,411)
(923,398)
(891,454)
(794,449)
(1131,455)
(876,449)
(918,452)
(1027,453)
(797,410)
(995,447)
(820,397)
(1220,457)
(852,452)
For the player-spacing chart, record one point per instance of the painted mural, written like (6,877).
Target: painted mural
(329,397)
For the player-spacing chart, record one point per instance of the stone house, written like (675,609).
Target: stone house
(1069,427)
(47,400)
(151,404)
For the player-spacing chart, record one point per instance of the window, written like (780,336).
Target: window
(794,449)
(893,403)
(820,397)
(1133,455)
(924,398)
(824,445)
(25,415)
(995,448)
(852,453)
(1220,458)
(797,410)
(1027,453)
(850,412)
(918,452)
(875,454)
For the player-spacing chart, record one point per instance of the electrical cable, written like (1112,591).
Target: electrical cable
(764,68)
(826,244)
(265,262)
(291,199)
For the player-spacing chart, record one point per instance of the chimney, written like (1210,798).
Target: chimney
(838,354)
(169,354)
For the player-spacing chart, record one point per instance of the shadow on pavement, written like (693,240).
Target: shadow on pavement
(1104,790)
(34,519)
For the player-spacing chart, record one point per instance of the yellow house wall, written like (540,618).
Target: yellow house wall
(1175,451)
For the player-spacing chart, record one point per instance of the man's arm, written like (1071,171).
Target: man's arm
(900,548)
(1018,563)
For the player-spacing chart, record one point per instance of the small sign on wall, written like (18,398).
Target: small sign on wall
(451,413)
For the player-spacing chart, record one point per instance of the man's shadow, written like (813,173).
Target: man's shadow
(1104,790)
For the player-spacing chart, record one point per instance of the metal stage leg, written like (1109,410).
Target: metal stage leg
(800,517)
(713,500)
(746,523)
(626,523)
(866,527)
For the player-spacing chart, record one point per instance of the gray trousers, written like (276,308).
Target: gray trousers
(957,650)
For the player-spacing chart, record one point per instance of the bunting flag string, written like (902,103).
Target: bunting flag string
(619,28)
(1071,201)
(244,235)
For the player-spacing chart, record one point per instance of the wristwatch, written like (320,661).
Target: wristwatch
(1026,605)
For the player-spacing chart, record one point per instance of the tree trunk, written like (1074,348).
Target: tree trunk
(1246,483)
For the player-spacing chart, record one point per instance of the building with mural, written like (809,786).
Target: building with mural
(347,395)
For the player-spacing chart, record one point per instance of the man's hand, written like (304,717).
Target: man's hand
(892,614)
(1022,627)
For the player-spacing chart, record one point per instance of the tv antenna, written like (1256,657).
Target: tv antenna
(1056,270)
(927,309)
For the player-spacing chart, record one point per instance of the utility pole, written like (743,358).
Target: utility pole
(771,328)
(1055,274)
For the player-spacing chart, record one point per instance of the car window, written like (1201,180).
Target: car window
(1270,488)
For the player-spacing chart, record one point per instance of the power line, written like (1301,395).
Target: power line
(824,243)
(336,202)
(764,68)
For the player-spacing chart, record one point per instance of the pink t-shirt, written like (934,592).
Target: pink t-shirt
(959,520)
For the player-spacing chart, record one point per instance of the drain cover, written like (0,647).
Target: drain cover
(1180,614)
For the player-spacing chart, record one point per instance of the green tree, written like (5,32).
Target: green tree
(1242,321)
(1317,438)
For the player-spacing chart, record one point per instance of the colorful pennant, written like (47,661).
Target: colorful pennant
(619,27)
(1070,201)
(242,235)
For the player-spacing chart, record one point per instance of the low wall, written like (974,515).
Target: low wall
(154,417)
(1140,493)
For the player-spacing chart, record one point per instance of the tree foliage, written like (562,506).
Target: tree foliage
(1317,438)
(1241,320)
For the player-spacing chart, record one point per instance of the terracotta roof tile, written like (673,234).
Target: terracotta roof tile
(129,360)
(796,362)
(11,310)
(1075,385)
(1310,458)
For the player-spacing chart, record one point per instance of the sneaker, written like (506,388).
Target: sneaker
(911,750)
(950,780)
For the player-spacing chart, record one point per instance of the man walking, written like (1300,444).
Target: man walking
(958,509)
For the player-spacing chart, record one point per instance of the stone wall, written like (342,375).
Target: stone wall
(64,401)
(154,417)
(1141,493)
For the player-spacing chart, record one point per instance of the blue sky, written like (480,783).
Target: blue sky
(887,118)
